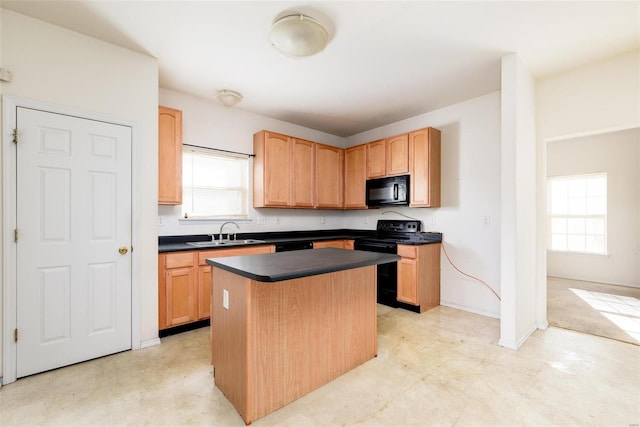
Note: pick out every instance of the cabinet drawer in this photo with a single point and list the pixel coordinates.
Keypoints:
(407, 251)
(179, 259)
(329, 244)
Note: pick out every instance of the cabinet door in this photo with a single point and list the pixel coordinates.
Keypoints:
(408, 274)
(271, 170)
(302, 173)
(169, 156)
(329, 176)
(398, 155)
(424, 160)
(355, 177)
(180, 296)
(348, 244)
(204, 292)
(162, 293)
(407, 281)
(376, 159)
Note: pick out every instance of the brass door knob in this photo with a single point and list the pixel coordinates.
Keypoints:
(123, 250)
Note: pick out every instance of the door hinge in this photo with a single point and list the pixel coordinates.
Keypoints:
(15, 335)
(15, 235)
(15, 136)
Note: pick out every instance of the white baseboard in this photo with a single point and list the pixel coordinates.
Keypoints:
(516, 345)
(150, 343)
(470, 310)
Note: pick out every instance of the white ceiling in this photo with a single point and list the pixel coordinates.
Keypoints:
(386, 61)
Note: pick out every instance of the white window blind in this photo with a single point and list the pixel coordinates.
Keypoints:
(577, 213)
(214, 184)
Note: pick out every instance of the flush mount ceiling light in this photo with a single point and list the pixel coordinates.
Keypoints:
(229, 98)
(298, 35)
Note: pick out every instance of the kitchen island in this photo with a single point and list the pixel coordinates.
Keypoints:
(284, 324)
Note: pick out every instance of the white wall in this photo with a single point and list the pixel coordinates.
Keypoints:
(601, 96)
(470, 193)
(597, 98)
(209, 124)
(518, 204)
(57, 66)
(617, 154)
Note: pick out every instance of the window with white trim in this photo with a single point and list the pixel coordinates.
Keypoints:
(215, 184)
(577, 213)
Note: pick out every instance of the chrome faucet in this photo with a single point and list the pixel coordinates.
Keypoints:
(222, 226)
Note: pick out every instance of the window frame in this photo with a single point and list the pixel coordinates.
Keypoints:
(245, 190)
(550, 216)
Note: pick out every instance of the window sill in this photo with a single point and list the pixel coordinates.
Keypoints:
(205, 220)
(556, 252)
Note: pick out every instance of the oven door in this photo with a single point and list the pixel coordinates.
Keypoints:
(387, 274)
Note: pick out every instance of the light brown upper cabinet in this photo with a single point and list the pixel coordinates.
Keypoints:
(376, 159)
(329, 182)
(283, 171)
(388, 157)
(398, 155)
(169, 156)
(355, 177)
(424, 161)
(302, 173)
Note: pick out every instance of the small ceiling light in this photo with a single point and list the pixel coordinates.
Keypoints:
(229, 98)
(298, 35)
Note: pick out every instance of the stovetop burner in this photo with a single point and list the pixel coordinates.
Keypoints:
(401, 231)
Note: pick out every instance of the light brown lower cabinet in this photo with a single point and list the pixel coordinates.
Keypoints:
(340, 244)
(329, 244)
(177, 289)
(184, 283)
(419, 275)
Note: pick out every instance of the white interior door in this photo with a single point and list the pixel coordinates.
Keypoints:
(73, 217)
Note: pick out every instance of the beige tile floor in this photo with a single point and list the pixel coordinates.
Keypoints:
(441, 368)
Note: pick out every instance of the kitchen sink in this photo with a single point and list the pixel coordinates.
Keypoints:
(218, 243)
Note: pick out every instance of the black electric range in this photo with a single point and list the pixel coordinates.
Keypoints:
(389, 234)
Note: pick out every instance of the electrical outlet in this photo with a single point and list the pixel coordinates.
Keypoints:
(160, 221)
(262, 220)
(277, 220)
(225, 299)
(321, 220)
(487, 221)
(433, 220)
(366, 220)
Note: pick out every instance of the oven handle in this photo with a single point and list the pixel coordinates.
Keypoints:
(375, 247)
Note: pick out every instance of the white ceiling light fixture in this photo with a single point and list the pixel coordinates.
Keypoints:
(229, 98)
(298, 35)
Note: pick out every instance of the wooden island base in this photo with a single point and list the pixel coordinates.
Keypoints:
(278, 341)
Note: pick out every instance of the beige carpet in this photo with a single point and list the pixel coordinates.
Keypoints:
(608, 311)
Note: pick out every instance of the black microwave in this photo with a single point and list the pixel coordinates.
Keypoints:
(393, 190)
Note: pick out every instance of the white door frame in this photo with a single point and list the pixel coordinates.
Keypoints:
(8, 320)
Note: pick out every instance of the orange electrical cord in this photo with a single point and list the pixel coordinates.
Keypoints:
(468, 275)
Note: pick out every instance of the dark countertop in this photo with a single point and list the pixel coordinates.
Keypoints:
(296, 264)
(178, 243)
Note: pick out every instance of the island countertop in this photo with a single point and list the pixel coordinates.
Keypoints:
(296, 264)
